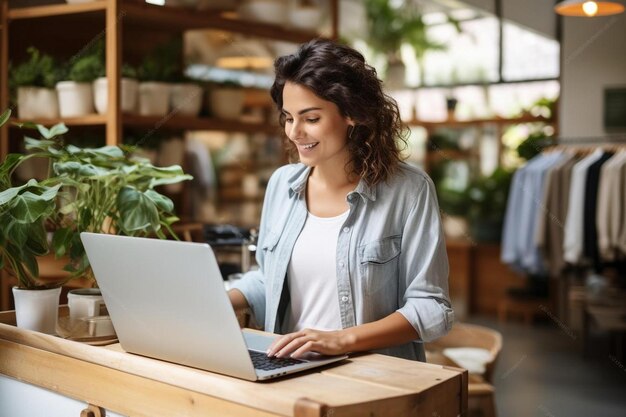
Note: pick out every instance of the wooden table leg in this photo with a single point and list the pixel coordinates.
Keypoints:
(93, 411)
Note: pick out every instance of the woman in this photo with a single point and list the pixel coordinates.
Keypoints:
(351, 250)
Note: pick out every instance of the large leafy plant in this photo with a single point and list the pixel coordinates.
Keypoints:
(391, 25)
(88, 189)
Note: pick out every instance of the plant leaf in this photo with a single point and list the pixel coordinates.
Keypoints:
(58, 129)
(4, 117)
(137, 212)
(161, 201)
(10, 193)
(61, 241)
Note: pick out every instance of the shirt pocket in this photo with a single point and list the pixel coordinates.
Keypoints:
(378, 264)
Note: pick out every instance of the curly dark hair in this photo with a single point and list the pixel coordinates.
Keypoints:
(339, 74)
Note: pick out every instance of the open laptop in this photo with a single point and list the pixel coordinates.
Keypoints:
(167, 300)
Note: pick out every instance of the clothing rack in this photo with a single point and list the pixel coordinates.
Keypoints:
(612, 143)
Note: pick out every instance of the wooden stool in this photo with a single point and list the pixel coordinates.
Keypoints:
(527, 308)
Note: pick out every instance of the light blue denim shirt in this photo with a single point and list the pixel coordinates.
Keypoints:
(391, 255)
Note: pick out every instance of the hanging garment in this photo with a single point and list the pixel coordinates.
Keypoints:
(551, 223)
(573, 238)
(524, 206)
(590, 233)
(610, 213)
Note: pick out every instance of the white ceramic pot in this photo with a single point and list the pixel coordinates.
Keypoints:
(37, 102)
(75, 99)
(186, 99)
(129, 92)
(37, 310)
(305, 18)
(154, 98)
(85, 302)
(266, 11)
(227, 103)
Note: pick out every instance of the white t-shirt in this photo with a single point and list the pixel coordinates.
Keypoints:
(312, 275)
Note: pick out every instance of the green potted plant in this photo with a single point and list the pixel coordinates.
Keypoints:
(34, 80)
(76, 91)
(227, 99)
(487, 205)
(129, 90)
(390, 26)
(158, 68)
(88, 189)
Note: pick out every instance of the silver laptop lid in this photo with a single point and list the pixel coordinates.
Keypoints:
(167, 300)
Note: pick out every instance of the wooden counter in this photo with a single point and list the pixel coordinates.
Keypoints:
(107, 377)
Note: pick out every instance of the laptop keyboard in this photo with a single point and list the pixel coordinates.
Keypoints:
(261, 361)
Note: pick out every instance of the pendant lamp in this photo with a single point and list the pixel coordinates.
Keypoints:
(586, 8)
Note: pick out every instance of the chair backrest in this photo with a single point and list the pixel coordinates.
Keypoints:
(472, 335)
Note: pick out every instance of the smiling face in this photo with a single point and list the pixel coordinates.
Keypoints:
(316, 127)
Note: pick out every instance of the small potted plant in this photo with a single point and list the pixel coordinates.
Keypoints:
(129, 91)
(102, 190)
(487, 205)
(76, 91)
(34, 80)
(227, 100)
(391, 24)
(186, 96)
(155, 73)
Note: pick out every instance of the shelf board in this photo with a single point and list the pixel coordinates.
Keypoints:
(149, 16)
(89, 120)
(454, 154)
(55, 10)
(476, 122)
(197, 123)
(179, 19)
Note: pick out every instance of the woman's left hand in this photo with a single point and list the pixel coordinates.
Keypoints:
(309, 340)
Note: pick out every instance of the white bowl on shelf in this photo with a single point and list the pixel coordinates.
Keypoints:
(266, 11)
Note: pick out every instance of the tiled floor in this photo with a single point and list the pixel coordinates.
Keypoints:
(541, 372)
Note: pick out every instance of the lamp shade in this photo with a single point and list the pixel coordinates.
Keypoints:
(586, 8)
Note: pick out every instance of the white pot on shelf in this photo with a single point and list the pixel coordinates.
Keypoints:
(75, 99)
(186, 99)
(37, 103)
(37, 309)
(154, 98)
(129, 91)
(227, 103)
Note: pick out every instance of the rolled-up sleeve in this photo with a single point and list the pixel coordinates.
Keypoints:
(252, 284)
(424, 269)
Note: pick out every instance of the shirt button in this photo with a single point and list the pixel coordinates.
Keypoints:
(341, 264)
(344, 298)
(346, 229)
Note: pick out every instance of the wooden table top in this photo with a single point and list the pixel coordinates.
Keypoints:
(363, 379)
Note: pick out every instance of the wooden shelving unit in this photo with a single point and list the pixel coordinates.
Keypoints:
(117, 16)
(58, 28)
(434, 155)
